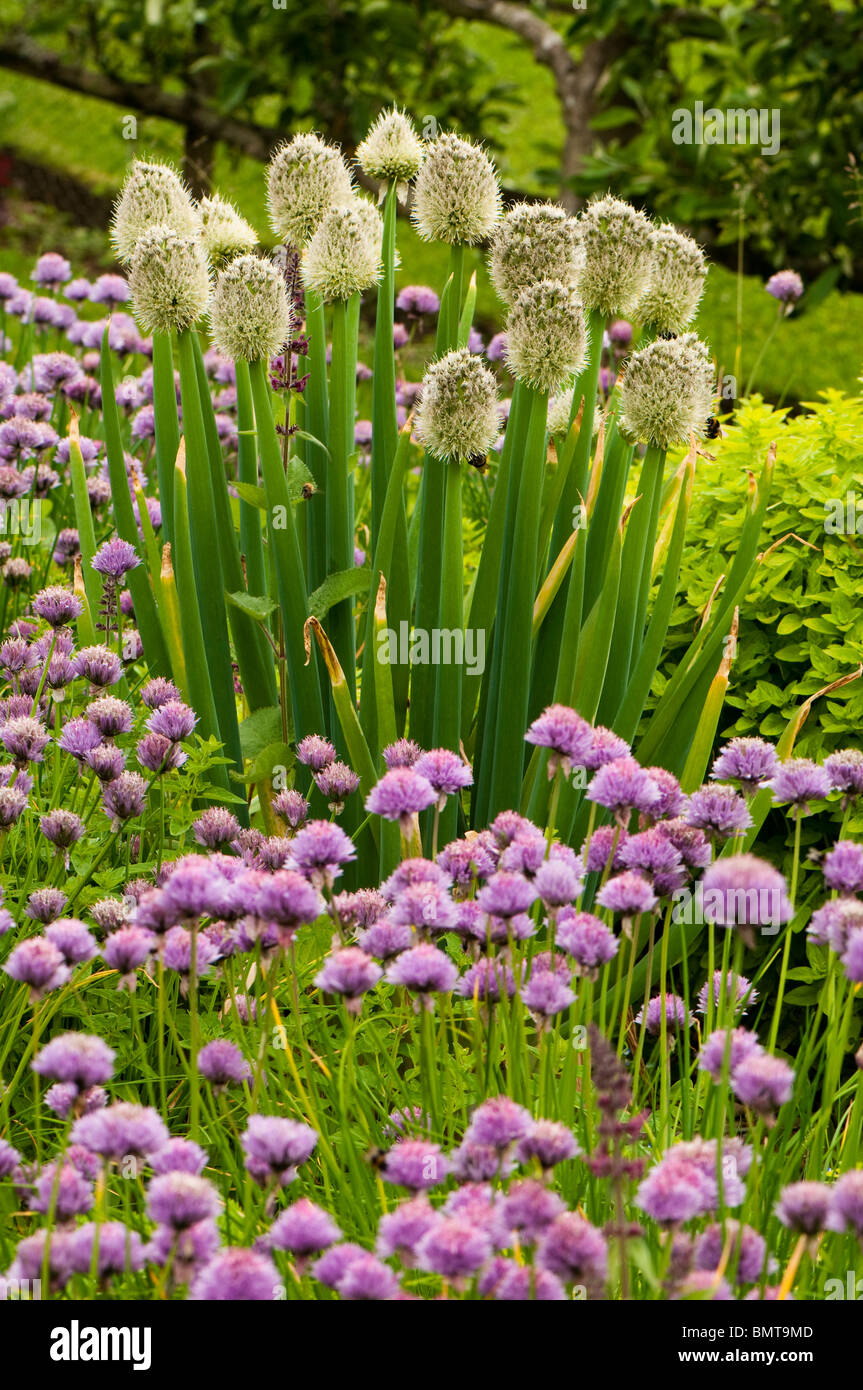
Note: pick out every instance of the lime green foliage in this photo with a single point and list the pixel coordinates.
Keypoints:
(800, 624)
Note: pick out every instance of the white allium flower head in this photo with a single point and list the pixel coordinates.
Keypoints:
(667, 391)
(457, 416)
(249, 313)
(559, 409)
(546, 335)
(618, 256)
(169, 279)
(153, 195)
(679, 270)
(456, 194)
(306, 179)
(534, 241)
(392, 149)
(224, 232)
(343, 257)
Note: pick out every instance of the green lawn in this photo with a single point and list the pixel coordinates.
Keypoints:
(817, 349)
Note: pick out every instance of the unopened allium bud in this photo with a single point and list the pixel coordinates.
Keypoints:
(153, 195)
(618, 256)
(456, 195)
(249, 313)
(676, 284)
(534, 241)
(224, 232)
(169, 279)
(306, 179)
(546, 335)
(667, 391)
(343, 257)
(457, 414)
(392, 149)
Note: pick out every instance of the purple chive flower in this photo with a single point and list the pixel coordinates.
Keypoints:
(320, 851)
(529, 1207)
(692, 844)
(546, 994)
(786, 286)
(401, 1230)
(469, 860)
(417, 300)
(236, 1275)
(627, 893)
(275, 1147)
(332, 1267)
(738, 990)
(177, 954)
(174, 721)
(350, 973)
(303, 1230)
(119, 1249)
(588, 940)
(805, 1207)
(403, 753)
(399, 795)
(336, 782)
(845, 770)
(45, 904)
(10, 1159)
(843, 867)
(719, 811)
(110, 716)
(712, 1056)
(557, 882)
(506, 895)
(496, 350)
(605, 747)
(158, 692)
(423, 970)
(58, 606)
(52, 270)
(453, 1248)
(61, 828)
(526, 1284)
(426, 906)
(38, 963)
(565, 734)
(679, 1188)
(749, 761)
(386, 939)
(67, 1194)
(81, 1060)
(292, 807)
(109, 290)
(676, 1015)
(24, 739)
(125, 797)
(158, 754)
(574, 1250)
(367, 1279)
(799, 781)
(604, 840)
(121, 1129)
(181, 1199)
(846, 1204)
(416, 1164)
(498, 1123)
(179, 1156)
(836, 923)
(852, 958)
(126, 950)
(12, 803)
(655, 856)
(446, 772)
(623, 786)
(316, 752)
(79, 737)
(222, 1063)
(411, 872)
(549, 1142)
(672, 801)
(106, 761)
(744, 891)
(763, 1082)
(115, 558)
(98, 665)
(360, 909)
(486, 981)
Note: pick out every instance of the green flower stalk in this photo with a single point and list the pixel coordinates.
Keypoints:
(306, 179)
(534, 241)
(457, 196)
(169, 279)
(670, 302)
(224, 232)
(153, 195)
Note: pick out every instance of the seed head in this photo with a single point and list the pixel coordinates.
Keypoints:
(546, 335)
(618, 256)
(676, 284)
(169, 279)
(457, 415)
(224, 232)
(392, 149)
(534, 241)
(456, 195)
(306, 179)
(667, 391)
(153, 195)
(249, 313)
(343, 257)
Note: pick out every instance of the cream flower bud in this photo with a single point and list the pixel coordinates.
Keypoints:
(457, 417)
(249, 313)
(534, 241)
(344, 255)
(667, 391)
(169, 279)
(306, 179)
(456, 194)
(679, 270)
(224, 232)
(618, 256)
(559, 408)
(392, 149)
(546, 335)
(153, 195)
